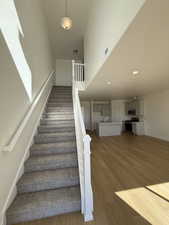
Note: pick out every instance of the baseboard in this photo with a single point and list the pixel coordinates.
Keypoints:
(20, 171)
(2, 219)
(158, 138)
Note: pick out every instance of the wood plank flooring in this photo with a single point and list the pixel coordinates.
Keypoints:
(120, 163)
(149, 205)
(161, 190)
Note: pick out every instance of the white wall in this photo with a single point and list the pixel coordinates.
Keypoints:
(108, 21)
(63, 72)
(86, 109)
(156, 108)
(14, 102)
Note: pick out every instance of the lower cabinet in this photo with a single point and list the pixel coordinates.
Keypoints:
(109, 129)
(138, 128)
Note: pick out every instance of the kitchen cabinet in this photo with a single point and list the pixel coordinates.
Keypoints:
(141, 112)
(136, 105)
(132, 105)
(101, 112)
(109, 129)
(138, 128)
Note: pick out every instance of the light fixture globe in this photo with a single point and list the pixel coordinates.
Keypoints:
(66, 23)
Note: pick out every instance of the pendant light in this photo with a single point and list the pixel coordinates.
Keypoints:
(66, 22)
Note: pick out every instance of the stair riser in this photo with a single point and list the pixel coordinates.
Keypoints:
(53, 151)
(56, 135)
(61, 87)
(60, 104)
(60, 125)
(55, 122)
(58, 117)
(41, 213)
(58, 113)
(51, 166)
(58, 110)
(55, 129)
(51, 100)
(53, 115)
(45, 140)
(53, 184)
(60, 96)
(61, 92)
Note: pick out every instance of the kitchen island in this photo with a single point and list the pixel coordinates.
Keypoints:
(109, 128)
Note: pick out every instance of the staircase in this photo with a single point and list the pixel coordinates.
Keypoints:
(50, 184)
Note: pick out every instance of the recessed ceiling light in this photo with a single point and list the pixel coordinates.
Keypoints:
(108, 82)
(135, 72)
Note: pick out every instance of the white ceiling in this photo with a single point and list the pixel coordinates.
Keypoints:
(63, 42)
(145, 47)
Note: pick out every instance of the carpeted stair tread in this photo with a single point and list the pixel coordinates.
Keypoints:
(50, 183)
(53, 100)
(46, 180)
(32, 206)
(61, 125)
(56, 134)
(54, 137)
(53, 129)
(61, 96)
(53, 148)
(60, 104)
(57, 113)
(59, 117)
(49, 162)
(58, 122)
(53, 109)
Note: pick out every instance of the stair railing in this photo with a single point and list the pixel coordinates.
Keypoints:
(79, 78)
(9, 146)
(83, 144)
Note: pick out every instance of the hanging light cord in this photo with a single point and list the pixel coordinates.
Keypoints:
(66, 8)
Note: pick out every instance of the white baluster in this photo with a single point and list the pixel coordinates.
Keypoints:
(83, 145)
(79, 72)
(76, 72)
(73, 72)
(88, 208)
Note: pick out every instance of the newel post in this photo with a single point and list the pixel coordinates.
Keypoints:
(73, 71)
(88, 194)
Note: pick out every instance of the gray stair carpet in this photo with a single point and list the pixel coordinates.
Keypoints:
(54, 129)
(53, 148)
(50, 183)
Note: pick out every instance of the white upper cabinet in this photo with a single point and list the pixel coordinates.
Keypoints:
(135, 105)
(141, 107)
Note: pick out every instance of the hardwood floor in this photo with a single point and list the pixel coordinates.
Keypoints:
(118, 164)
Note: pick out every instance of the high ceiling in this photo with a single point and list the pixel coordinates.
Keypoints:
(64, 42)
(144, 47)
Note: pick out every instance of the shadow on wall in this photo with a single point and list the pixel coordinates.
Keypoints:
(11, 29)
